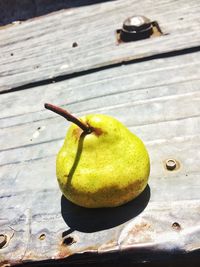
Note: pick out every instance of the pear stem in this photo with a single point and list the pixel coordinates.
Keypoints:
(64, 113)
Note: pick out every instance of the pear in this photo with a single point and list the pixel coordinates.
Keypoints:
(101, 163)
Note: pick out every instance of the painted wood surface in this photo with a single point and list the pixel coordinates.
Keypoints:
(157, 98)
(166, 87)
(41, 50)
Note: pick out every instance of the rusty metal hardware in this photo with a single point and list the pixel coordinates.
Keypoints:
(137, 28)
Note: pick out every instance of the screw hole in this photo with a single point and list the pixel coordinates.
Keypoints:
(38, 128)
(42, 236)
(11, 54)
(68, 241)
(74, 44)
(176, 226)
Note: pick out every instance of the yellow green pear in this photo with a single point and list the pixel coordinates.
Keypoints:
(101, 163)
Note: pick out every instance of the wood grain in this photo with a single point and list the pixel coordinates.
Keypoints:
(158, 99)
(39, 50)
(82, 95)
(32, 132)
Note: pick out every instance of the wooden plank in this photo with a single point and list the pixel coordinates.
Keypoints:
(170, 106)
(42, 49)
(32, 205)
(158, 100)
(81, 95)
(148, 106)
(36, 142)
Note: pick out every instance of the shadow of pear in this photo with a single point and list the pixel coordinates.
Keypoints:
(93, 220)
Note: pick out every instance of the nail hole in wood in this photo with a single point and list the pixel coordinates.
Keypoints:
(176, 226)
(74, 44)
(42, 236)
(68, 241)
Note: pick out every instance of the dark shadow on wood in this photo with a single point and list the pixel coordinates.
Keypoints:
(20, 10)
(132, 258)
(93, 220)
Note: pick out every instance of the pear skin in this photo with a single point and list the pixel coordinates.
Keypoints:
(105, 168)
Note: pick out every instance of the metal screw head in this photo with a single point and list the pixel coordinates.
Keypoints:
(136, 24)
(136, 28)
(170, 164)
(3, 240)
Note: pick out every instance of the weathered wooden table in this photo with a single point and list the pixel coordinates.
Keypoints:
(71, 58)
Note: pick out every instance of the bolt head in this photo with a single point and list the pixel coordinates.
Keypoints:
(136, 24)
(171, 164)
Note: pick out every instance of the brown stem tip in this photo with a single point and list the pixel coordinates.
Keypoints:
(64, 113)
